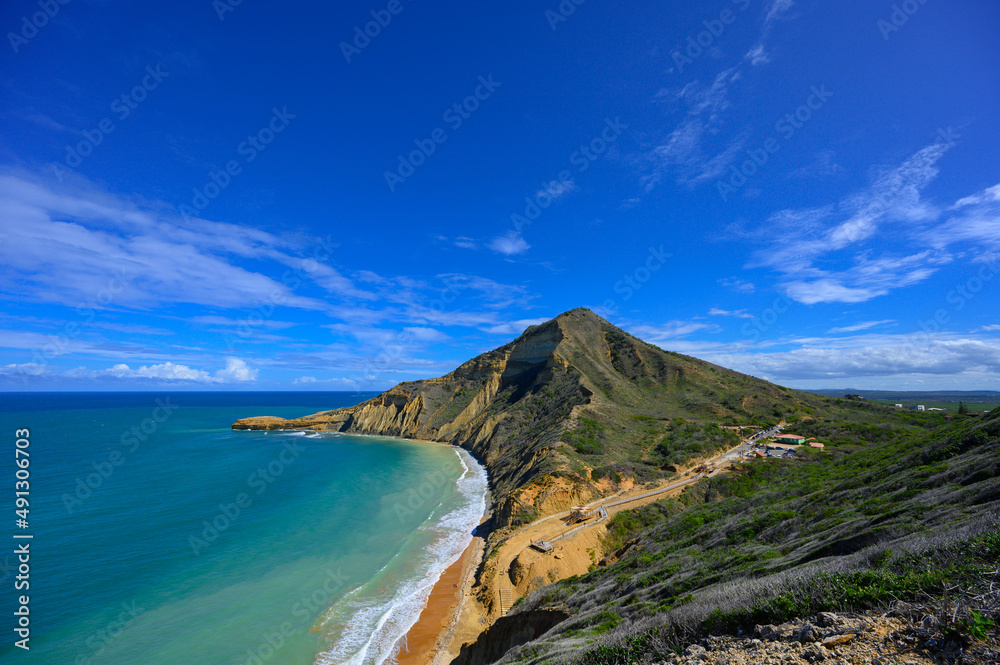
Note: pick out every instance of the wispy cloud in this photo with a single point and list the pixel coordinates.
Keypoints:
(671, 331)
(24, 369)
(556, 189)
(823, 165)
(682, 154)
(758, 55)
(45, 122)
(231, 323)
(885, 357)
(740, 314)
(738, 285)
(509, 244)
(351, 383)
(857, 327)
(974, 220)
(69, 247)
(810, 246)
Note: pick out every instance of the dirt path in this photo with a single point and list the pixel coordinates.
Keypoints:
(553, 527)
(576, 548)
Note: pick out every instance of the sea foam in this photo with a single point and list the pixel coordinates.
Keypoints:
(365, 626)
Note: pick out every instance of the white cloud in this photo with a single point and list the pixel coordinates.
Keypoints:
(740, 314)
(868, 279)
(167, 371)
(556, 189)
(738, 284)
(682, 154)
(421, 334)
(509, 244)
(254, 322)
(988, 195)
(823, 166)
(974, 219)
(236, 371)
(809, 245)
(758, 55)
(24, 369)
(857, 327)
(79, 246)
(356, 383)
(671, 331)
(887, 357)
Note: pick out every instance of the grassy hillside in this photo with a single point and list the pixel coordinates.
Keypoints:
(892, 511)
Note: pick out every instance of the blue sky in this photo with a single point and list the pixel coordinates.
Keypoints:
(262, 196)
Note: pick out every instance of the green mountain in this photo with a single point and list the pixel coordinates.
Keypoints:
(899, 505)
(568, 410)
(890, 517)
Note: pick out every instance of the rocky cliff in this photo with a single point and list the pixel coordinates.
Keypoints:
(516, 408)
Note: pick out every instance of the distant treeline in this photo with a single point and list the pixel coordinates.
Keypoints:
(978, 396)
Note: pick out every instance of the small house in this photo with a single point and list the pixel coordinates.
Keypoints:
(791, 438)
(816, 444)
(542, 546)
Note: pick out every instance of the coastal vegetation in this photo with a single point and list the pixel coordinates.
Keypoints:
(902, 516)
(897, 504)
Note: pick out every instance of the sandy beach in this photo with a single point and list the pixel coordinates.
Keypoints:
(432, 630)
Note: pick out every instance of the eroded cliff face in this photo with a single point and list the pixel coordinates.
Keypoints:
(508, 632)
(508, 407)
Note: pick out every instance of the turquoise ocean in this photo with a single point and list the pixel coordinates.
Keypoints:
(161, 536)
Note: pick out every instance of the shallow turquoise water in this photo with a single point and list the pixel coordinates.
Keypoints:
(184, 542)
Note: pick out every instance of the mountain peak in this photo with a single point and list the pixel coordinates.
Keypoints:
(566, 397)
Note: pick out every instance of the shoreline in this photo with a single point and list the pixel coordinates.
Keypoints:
(441, 628)
(430, 636)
